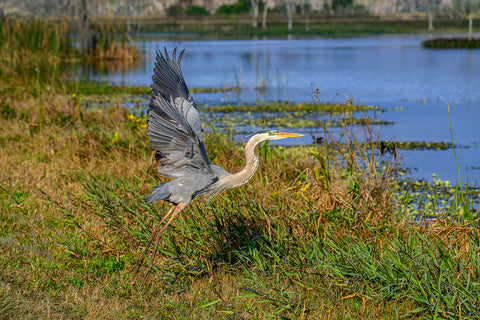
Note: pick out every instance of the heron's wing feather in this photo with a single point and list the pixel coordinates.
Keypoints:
(179, 149)
(168, 82)
(168, 78)
(171, 99)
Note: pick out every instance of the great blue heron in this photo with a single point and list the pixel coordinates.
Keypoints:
(174, 131)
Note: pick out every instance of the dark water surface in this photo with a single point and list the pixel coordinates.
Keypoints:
(411, 84)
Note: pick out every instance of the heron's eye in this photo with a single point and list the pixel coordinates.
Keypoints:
(271, 133)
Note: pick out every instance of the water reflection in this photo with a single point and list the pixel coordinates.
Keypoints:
(106, 68)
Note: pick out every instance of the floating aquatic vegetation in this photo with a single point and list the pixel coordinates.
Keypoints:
(281, 120)
(210, 90)
(452, 43)
(272, 114)
(286, 115)
(439, 198)
(281, 106)
(414, 145)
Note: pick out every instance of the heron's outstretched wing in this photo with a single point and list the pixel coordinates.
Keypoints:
(173, 123)
(167, 77)
(177, 146)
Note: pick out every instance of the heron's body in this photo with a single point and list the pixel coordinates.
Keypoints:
(174, 131)
(185, 188)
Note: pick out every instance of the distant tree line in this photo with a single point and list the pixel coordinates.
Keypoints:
(165, 7)
(258, 9)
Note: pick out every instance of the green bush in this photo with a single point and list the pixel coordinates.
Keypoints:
(194, 10)
(174, 10)
(237, 7)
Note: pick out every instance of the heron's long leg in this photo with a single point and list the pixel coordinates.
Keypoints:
(155, 231)
(178, 209)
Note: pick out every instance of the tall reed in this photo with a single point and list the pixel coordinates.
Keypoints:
(35, 54)
(31, 51)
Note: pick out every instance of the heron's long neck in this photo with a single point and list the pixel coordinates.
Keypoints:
(251, 164)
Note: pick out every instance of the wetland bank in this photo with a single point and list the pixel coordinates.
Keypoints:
(323, 231)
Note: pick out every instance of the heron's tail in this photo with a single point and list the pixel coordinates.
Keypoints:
(160, 192)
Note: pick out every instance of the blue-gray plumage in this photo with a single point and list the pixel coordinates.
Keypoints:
(174, 131)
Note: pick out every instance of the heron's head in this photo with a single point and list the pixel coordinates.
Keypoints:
(275, 135)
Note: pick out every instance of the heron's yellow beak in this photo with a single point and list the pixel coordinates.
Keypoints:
(288, 135)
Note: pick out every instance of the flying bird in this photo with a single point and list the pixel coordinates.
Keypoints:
(174, 132)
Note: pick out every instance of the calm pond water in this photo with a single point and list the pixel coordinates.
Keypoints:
(412, 85)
